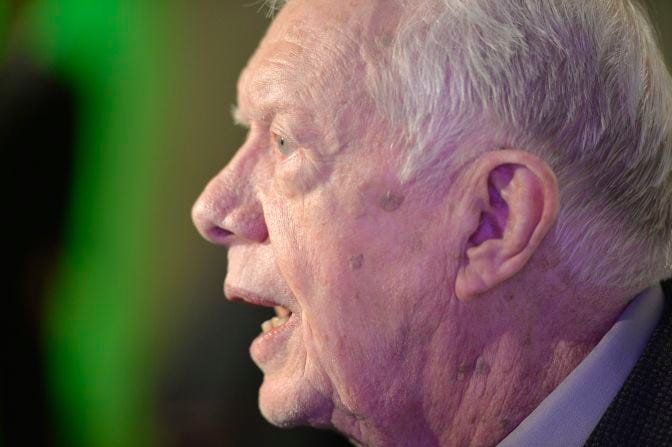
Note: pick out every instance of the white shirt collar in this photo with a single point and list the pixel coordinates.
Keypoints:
(568, 415)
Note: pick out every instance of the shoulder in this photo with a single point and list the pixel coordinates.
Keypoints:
(641, 414)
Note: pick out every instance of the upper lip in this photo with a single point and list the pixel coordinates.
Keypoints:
(234, 293)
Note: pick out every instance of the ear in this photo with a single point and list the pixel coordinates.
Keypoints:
(510, 202)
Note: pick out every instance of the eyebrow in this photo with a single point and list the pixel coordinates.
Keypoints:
(260, 110)
(264, 112)
(276, 97)
(238, 118)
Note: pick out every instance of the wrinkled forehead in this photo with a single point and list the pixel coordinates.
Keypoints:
(318, 49)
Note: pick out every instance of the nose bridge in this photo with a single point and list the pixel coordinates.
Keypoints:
(228, 209)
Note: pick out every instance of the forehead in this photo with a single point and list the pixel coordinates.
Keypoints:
(315, 51)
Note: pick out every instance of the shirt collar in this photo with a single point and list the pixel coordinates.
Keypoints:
(568, 415)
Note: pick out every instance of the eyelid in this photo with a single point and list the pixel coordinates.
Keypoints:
(277, 129)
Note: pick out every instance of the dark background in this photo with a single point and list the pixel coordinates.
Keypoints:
(113, 115)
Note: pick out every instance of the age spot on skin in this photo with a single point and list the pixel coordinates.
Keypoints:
(464, 369)
(482, 366)
(356, 262)
(390, 201)
(417, 245)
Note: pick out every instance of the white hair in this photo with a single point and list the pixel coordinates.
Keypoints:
(580, 83)
(272, 6)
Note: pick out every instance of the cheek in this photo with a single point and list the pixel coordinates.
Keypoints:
(299, 174)
(358, 310)
(365, 345)
(357, 280)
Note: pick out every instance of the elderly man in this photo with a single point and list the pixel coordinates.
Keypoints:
(461, 211)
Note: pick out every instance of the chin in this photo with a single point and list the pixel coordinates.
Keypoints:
(289, 401)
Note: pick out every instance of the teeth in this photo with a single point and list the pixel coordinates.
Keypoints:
(277, 321)
(282, 312)
(273, 323)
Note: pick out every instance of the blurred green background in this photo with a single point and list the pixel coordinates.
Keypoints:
(125, 338)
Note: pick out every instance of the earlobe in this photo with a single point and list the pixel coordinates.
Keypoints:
(511, 203)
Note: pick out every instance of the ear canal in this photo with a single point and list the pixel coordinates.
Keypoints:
(488, 228)
(492, 222)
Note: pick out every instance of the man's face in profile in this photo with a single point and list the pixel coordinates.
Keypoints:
(318, 223)
(393, 198)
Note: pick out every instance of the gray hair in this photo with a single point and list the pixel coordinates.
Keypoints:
(271, 6)
(580, 83)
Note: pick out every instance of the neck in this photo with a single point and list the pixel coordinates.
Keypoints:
(490, 363)
(501, 381)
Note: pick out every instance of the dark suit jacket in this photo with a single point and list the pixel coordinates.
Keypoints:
(641, 413)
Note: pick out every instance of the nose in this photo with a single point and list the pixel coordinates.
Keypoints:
(228, 210)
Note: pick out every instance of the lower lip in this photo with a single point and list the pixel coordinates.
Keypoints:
(269, 344)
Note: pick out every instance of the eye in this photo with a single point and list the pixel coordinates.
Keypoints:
(283, 145)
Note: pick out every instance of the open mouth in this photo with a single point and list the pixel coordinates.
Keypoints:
(282, 314)
(271, 345)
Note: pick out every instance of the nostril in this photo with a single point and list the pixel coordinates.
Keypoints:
(218, 233)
